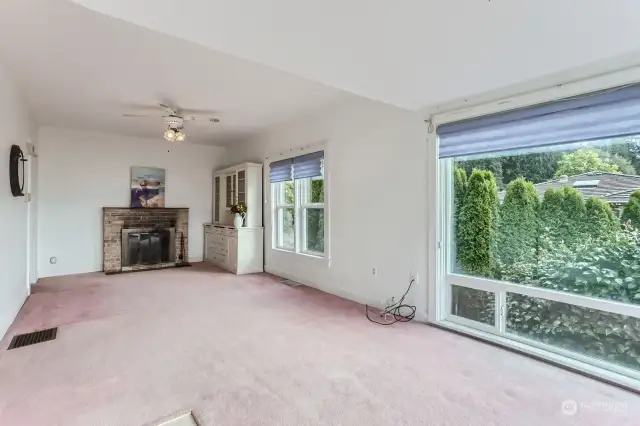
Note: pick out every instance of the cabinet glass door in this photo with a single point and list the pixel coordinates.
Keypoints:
(229, 191)
(242, 197)
(216, 200)
(235, 189)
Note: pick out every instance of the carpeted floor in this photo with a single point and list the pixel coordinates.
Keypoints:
(133, 348)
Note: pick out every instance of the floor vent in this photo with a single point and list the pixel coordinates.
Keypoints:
(289, 282)
(32, 338)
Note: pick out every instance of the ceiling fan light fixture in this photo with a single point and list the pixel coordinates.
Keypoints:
(170, 135)
(180, 136)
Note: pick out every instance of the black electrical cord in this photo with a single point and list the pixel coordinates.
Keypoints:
(395, 310)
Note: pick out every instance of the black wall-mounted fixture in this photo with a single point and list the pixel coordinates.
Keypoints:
(15, 158)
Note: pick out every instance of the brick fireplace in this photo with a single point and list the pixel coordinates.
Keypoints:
(152, 238)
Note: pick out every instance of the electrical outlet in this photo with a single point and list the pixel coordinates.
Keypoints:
(374, 272)
(413, 276)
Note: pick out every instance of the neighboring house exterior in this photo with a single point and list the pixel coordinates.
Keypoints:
(611, 187)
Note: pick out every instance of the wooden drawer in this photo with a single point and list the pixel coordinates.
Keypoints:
(219, 259)
(216, 239)
(220, 250)
(231, 232)
(219, 230)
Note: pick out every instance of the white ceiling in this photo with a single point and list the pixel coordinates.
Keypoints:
(411, 53)
(81, 69)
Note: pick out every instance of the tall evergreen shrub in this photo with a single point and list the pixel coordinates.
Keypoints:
(518, 231)
(478, 225)
(631, 212)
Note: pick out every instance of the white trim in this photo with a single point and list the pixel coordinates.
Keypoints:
(471, 323)
(294, 152)
(559, 91)
(496, 287)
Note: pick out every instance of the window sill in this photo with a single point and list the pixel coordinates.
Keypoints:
(309, 255)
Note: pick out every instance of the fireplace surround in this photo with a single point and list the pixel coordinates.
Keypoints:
(137, 239)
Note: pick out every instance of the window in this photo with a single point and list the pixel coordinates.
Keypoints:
(285, 215)
(541, 226)
(297, 190)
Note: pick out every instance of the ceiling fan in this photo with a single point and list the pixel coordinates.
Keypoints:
(174, 118)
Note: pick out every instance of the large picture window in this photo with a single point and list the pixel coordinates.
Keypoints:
(542, 219)
(297, 189)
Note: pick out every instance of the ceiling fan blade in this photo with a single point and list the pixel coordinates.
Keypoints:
(141, 115)
(198, 112)
(168, 109)
(210, 118)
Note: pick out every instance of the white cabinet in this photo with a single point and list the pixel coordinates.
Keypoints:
(241, 184)
(237, 250)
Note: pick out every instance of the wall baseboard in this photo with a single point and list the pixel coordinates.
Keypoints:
(358, 298)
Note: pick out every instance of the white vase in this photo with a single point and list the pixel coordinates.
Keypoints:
(238, 220)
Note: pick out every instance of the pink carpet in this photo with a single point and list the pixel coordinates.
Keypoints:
(248, 350)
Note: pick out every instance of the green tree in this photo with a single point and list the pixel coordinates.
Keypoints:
(621, 161)
(494, 165)
(459, 189)
(518, 230)
(583, 161)
(631, 212)
(599, 219)
(627, 148)
(536, 167)
(478, 223)
(562, 215)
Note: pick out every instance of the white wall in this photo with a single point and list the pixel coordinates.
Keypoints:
(16, 129)
(375, 160)
(80, 172)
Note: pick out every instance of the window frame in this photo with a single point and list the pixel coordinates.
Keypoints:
(440, 226)
(305, 204)
(302, 203)
(280, 205)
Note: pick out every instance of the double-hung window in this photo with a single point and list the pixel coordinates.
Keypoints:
(540, 232)
(297, 192)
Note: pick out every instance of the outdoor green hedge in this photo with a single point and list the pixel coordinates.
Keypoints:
(563, 244)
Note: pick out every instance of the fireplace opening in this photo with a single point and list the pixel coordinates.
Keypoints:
(148, 246)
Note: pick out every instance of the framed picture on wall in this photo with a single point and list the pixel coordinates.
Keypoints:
(147, 187)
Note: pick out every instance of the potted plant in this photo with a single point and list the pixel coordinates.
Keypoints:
(240, 212)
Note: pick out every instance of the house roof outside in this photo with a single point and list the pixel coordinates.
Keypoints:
(614, 188)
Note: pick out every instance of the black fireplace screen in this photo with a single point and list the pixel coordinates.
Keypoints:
(148, 246)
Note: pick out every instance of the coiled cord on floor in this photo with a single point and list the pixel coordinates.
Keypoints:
(393, 313)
